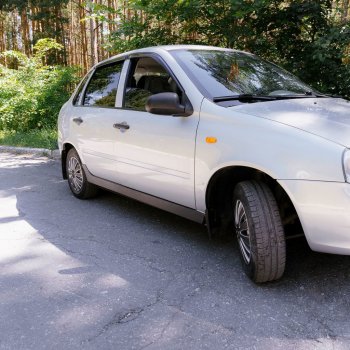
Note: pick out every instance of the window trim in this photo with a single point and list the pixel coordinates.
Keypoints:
(94, 69)
(120, 93)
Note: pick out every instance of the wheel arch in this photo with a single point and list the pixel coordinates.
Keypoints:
(65, 149)
(219, 215)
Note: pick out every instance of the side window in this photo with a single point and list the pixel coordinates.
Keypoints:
(147, 77)
(80, 90)
(102, 88)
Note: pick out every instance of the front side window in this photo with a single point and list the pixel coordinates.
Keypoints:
(228, 72)
(102, 88)
(146, 78)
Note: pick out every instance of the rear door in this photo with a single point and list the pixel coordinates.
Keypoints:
(93, 120)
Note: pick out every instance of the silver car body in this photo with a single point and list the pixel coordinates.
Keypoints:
(299, 143)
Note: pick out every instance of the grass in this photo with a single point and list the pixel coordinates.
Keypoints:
(34, 138)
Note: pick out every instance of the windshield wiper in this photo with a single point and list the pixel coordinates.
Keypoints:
(252, 97)
(244, 97)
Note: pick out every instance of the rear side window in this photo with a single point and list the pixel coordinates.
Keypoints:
(80, 90)
(102, 88)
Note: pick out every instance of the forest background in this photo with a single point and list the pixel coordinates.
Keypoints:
(46, 46)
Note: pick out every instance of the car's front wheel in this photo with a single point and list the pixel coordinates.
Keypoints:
(77, 180)
(259, 231)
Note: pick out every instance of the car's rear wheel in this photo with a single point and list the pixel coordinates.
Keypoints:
(259, 231)
(77, 180)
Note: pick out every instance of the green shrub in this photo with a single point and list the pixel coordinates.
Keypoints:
(32, 95)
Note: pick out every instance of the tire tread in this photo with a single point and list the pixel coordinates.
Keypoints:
(267, 233)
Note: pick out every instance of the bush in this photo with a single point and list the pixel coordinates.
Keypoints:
(32, 95)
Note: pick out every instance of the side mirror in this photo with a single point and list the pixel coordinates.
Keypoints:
(167, 103)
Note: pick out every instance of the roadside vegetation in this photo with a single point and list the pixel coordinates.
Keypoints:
(43, 138)
(31, 95)
(45, 46)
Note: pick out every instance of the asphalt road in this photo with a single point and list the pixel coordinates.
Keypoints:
(111, 273)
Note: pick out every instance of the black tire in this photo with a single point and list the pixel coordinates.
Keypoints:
(258, 223)
(77, 180)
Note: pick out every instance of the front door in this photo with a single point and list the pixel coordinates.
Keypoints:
(156, 153)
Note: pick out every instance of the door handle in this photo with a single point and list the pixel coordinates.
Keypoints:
(77, 120)
(121, 126)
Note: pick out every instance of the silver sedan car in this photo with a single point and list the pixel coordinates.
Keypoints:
(220, 137)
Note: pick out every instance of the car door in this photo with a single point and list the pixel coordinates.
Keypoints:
(156, 153)
(93, 120)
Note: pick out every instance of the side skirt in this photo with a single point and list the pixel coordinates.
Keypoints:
(163, 204)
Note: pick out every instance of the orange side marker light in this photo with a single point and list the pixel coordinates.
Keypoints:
(211, 139)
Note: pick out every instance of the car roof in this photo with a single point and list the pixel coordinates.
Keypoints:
(162, 48)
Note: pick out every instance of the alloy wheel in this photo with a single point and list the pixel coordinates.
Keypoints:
(242, 231)
(75, 174)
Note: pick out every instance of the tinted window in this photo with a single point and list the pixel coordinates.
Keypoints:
(223, 73)
(80, 90)
(102, 88)
(147, 77)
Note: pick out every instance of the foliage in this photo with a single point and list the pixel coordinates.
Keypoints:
(13, 59)
(309, 38)
(306, 37)
(32, 95)
(44, 138)
(47, 50)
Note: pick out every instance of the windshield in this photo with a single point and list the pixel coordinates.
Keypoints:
(227, 73)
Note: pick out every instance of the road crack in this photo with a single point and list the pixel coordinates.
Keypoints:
(122, 317)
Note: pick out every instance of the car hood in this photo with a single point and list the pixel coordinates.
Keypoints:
(325, 117)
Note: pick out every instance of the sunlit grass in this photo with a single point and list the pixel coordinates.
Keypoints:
(44, 138)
